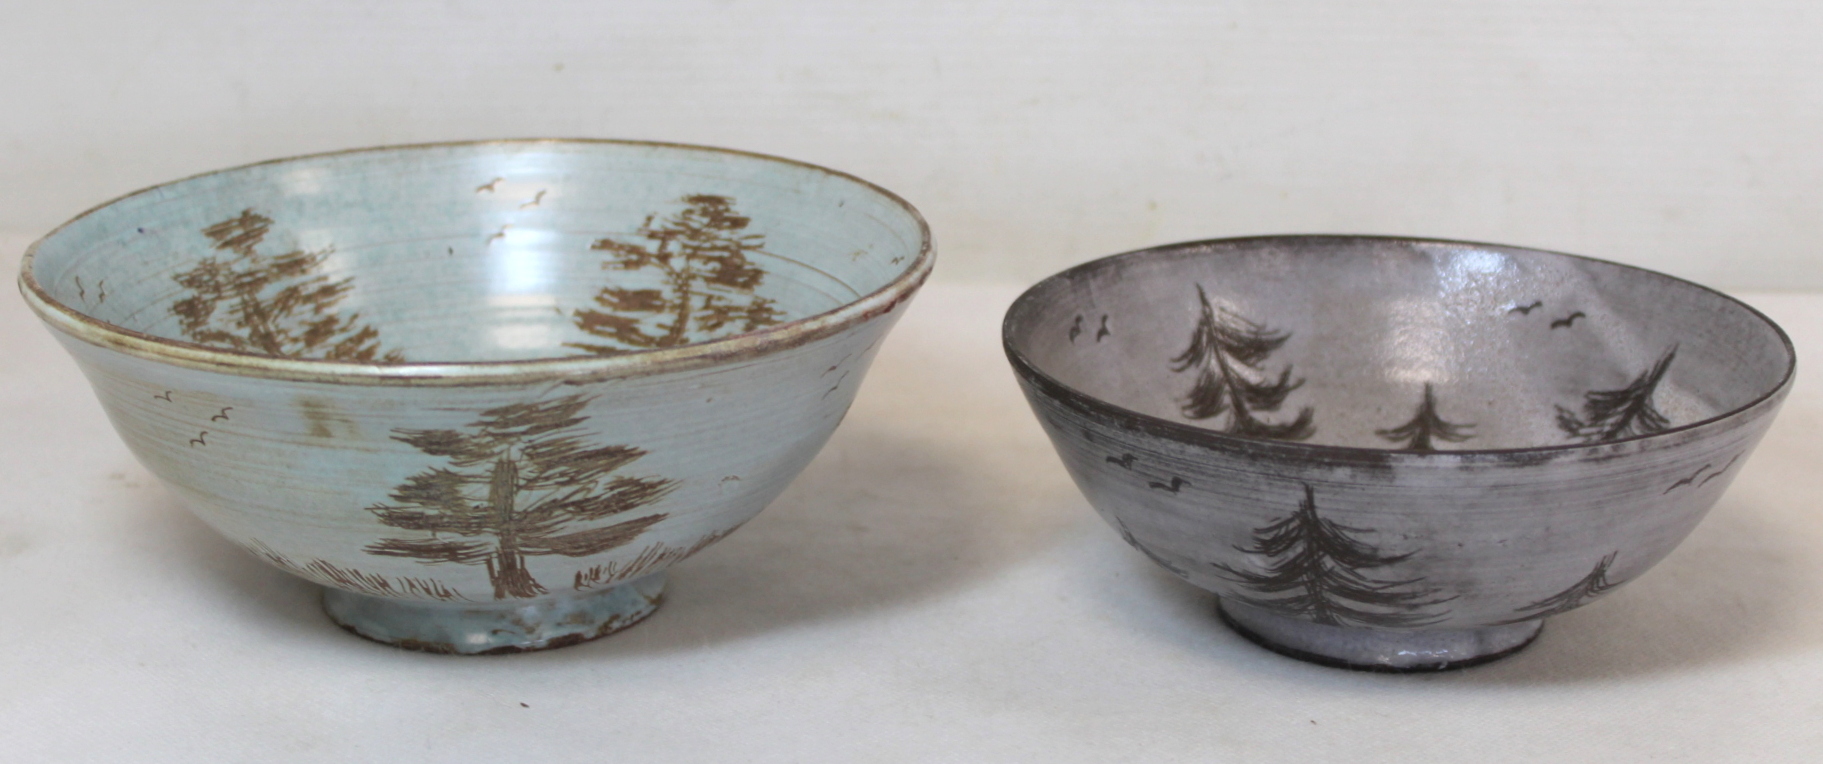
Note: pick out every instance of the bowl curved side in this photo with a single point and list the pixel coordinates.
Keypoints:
(506, 492)
(1410, 541)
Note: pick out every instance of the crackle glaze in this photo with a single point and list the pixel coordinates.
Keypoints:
(1395, 454)
(486, 392)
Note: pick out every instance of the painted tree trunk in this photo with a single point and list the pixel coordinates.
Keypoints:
(507, 568)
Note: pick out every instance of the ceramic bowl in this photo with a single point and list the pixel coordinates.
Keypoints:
(485, 393)
(1395, 454)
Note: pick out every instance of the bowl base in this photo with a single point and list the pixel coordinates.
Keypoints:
(472, 628)
(1377, 649)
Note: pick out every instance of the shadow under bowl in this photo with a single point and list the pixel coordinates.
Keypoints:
(486, 393)
(1392, 453)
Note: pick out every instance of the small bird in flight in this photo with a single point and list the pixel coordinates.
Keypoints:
(1177, 484)
(1567, 321)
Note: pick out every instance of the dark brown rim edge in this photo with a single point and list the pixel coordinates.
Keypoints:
(1134, 420)
(457, 373)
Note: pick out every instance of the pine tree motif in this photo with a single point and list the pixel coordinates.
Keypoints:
(1226, 352)
(1614, 414)
(518, 481)
(1316, 573)
(273, 304)
(1588, 588)
(1425, 426)
(702, 254)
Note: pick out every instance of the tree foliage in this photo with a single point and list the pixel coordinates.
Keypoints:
(1226, 351)
(1426, 426)
(1587, 588)
(273, 304)
(1624, 413)
(1317, 571)
(702, 256)
(517, 482)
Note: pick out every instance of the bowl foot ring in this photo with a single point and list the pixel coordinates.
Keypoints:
(493, 628)
(1377, 649)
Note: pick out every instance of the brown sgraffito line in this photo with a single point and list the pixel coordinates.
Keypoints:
(649, 560)
(329, 574)
(703, 254)
(279, 304)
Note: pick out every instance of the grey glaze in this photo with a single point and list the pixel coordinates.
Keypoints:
(486, 393)
(1395, 454)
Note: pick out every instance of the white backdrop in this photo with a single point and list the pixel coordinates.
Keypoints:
(1678, 134)
(934, 588)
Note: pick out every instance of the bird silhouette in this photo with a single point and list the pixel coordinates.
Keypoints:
(500, 234)
(1103, 332)
(200, 439)
(534, 201)
(1718, 473)
(1177, 484)
(1689, 480)
(1076, 329)
(1125, 460)
(222, 417)
(1526, 310)
(1567, 321)
(166, 397)
(488, 187)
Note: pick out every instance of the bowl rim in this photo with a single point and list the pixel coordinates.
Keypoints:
(468, 373)
(1203, 436)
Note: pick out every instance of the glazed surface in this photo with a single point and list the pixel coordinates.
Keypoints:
(502, 382)
(481, 252)
(1398, 345)
(482, 493)
(1483, 467)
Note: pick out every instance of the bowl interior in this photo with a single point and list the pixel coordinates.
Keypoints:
(498, 251)
(1397, 344)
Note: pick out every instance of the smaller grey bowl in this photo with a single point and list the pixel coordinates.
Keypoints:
(1395, 454)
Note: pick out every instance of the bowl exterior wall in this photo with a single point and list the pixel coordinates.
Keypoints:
(485, 492)
(1353, 537)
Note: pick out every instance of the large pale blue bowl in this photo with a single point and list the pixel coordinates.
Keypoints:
(484, 392)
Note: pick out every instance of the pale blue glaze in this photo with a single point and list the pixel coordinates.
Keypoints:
(444, 435)
(468, 630)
